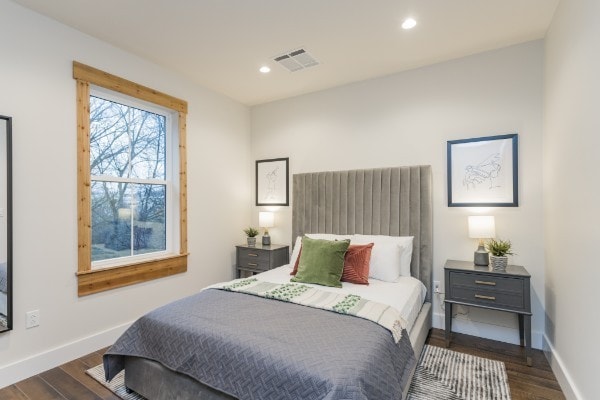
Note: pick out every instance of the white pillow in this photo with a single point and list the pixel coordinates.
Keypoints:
(324, 236)
(390, 256)
(295, 251)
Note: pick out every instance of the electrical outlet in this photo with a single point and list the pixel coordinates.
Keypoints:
(436, 287)
(32, 319)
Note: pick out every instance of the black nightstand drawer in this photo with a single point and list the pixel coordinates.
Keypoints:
(488, 298)
(254, 264)
(486, 282)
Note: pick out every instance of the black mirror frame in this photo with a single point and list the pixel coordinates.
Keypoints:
(9, 226)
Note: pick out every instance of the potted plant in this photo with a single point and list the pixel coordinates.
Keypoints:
(499, 251)
(251, 234)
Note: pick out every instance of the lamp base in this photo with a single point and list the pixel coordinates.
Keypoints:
(481, 257)
(266, 240)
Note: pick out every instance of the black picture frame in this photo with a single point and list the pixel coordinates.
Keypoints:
(483, 171)
(272, 184)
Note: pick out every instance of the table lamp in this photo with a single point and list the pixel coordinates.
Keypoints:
(266, 220)
(482, 227)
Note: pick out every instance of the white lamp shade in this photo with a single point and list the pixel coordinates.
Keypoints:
(482, 227)
(266, 219)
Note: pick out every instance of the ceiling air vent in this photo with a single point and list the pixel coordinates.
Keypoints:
(296, 60)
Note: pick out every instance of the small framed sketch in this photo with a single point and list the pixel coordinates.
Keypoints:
(272, 182)
(483, 172)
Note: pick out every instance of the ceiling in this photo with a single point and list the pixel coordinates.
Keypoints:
(220, 44)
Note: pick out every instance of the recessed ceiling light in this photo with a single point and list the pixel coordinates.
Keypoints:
(264, 69)
(409, 23)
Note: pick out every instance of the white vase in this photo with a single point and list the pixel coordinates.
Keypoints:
(251, 241)
(498, 263)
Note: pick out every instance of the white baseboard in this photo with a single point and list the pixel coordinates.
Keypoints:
(560, 371)
(51, 358)
(486, 330)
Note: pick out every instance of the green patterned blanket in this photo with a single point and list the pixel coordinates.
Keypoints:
(350, 304)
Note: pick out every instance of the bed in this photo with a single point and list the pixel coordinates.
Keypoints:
(388, 201)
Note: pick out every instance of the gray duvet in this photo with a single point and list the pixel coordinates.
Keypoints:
(255, 348)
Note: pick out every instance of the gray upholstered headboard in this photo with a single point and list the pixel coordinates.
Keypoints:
(386, 201)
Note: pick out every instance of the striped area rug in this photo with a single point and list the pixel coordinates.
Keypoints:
(441, 374)
(117, 385)
(444, 374)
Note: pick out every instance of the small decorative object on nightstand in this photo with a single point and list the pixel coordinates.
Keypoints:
(508, 290)
(251, 260)
(266, 220)
(481, 227)
(251, 234)
(500, 250)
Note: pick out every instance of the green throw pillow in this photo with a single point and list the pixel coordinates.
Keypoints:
(321, 261)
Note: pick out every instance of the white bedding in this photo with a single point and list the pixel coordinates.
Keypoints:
(406, 295)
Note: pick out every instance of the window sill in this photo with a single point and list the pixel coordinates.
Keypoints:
(100, 280)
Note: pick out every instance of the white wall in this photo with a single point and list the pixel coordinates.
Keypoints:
(406, 119)
(37, 90)
(572, 195)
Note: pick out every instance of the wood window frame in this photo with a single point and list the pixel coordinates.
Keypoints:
(97, 280)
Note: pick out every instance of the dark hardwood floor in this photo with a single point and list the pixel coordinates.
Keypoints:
(70, 382)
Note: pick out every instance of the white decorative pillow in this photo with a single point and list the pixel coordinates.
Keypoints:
(390, 256)
(324, 236)
(295, 251)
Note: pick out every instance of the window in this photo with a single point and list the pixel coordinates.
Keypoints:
(131, 182)
(131, 179)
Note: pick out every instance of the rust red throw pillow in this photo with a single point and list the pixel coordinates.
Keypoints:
(356, 264)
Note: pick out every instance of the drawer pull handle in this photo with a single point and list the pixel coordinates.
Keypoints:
(480, 296)
(252, 255)
(485, 283)
(252, 264)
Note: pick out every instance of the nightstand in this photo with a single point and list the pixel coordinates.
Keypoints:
(471, 285)
(251, 260)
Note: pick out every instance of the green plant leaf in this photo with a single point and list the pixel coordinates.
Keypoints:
(251, 232)
(499, 248)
